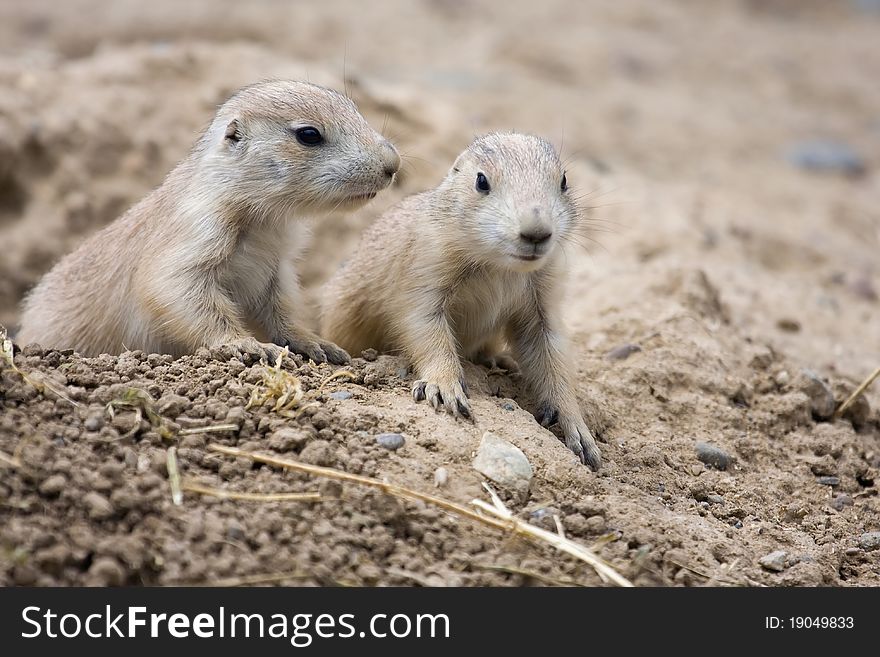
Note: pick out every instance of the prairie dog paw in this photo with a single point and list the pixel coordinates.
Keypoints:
(580, 441)
(249, 348)
(320, 351)
(451, 397)
(501, 361)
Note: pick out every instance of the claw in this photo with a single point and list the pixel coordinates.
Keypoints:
(418, 391)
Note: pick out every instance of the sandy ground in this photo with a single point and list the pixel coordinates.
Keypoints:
(731, 268)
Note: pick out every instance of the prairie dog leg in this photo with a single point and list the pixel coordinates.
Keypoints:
(278, 314)
(540, 350)
(492, 355)
(204, 315)
(434, 352)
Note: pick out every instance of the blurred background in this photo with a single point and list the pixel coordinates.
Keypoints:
(734, 141)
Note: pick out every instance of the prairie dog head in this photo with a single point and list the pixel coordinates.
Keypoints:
(288, 144)
(511, 200)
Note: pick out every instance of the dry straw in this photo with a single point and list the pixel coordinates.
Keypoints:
(499, 517)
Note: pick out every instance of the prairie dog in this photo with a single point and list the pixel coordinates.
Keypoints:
(210, 254)
(463, 270)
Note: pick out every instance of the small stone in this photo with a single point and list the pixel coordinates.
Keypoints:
(53, 485)
(402, 372)
(171, 405)
(829, 481)
(775, 561)
(595, 525)
(840, 502)
(392, 441)
(94, 422)
(99, 506)
(341, 395)
(788, 325)
(503, 463)
(822, 402)
(826, 156)
(713, 456)
(714, 499)
(508, 406)
(852, 551)
(622, 352)
(869, 541)
(369, 355)
(782, 378)
(441, 477)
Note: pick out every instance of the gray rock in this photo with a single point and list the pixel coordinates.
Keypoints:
(822, 402)
(392, 441)
(869, 541)
(341, 395)
(826, 156)
(829, 480)
(622, 352)
(713, 456)
(441, 477)
(503, 463)
(93, 422)
(840, 502)
(715, 499)
(53, 485)
(775, 561)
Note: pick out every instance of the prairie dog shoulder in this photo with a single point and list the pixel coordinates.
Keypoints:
(210, 252)
(465, 270)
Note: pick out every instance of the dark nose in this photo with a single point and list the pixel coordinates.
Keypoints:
(391, 158)
(537, 236)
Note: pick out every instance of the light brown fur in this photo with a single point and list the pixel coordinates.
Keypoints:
(210, 254)
(440, 277)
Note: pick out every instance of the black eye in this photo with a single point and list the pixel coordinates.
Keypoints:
(482, 184)
(564, 185)
(308, 136)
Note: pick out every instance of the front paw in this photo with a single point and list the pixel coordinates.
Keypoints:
(575, 433)
(451, 396)
(316, 349)
(248, 349)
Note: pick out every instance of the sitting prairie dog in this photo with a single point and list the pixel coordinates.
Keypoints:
(209, 255)
(462, 270)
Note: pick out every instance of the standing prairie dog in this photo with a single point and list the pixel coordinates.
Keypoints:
(460, 270)
(210, 254)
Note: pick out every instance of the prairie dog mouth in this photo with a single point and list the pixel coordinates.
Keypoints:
(529, 257)
(363, 197)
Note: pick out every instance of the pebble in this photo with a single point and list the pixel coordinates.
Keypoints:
(822, 402)
(622, 352)
(714, 499)
(441, 477)
(869, 541)
(829, 481)
(782, 379)
(503, 463)
(93, 423)
(826, 156)
(392, 441)
(53, 485)
(775, 561)
(99, 506)
(840, 502)
(713, 456)
(341, 395)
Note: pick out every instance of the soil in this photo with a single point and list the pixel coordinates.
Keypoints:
(730, 297)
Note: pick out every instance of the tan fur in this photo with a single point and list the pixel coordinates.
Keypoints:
(212, 251)
(437, 278)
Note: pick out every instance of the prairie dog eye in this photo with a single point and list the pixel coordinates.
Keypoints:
(308, 136)
(564, 185)
(482, 184)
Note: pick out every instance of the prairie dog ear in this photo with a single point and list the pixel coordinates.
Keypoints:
(233, 133)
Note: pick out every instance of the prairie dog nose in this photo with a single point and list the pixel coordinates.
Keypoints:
(391, 159)
(536, 236)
